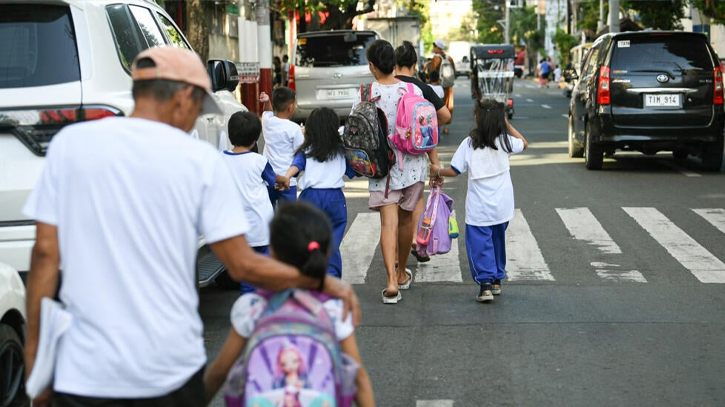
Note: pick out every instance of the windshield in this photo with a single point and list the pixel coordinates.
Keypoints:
(670, 53)
(37, 46)
(333, 50)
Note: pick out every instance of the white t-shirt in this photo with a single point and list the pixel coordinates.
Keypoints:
(438, 89)
(557, 74)
(252, 175)
(322, 175)
(415, 167)
(490, 197)
(249, 307)
(130, 198)
(282, 138)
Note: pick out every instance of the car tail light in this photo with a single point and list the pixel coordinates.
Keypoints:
(717, 94)
(35, 128)
(603, 87)
(291, 79)
(510, 103)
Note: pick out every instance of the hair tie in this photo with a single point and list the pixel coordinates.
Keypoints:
(313, 246)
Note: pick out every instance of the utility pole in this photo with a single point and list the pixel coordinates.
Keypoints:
(600, 23)
(613, 16)
(507, 30)
(264, 50)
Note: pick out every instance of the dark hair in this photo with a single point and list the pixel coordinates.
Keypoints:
(381, 54)
(281, 98)
(435, 76)
(244, 129)
(161, 89)
(321, 135)
(490, 125)
(285, 58)
(405, 55)
(293, 228)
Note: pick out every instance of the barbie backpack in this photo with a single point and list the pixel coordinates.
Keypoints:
(416, 125)
(292, 358)
(435, 232)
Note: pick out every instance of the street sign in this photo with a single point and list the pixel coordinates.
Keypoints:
(233, 9)
(248, 72)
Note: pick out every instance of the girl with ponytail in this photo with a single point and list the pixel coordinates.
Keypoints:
(301, 236)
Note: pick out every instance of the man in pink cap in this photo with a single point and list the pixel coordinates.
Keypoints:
(122, 202)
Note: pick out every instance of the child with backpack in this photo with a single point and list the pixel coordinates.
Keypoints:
(285, 347)
(435, 84)
(322, 159)
(490, 197)
(252, 175)
(282, 137)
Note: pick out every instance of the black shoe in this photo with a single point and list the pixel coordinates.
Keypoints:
(485, 294)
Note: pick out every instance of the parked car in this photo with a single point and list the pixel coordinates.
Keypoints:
(12, 338)
(576, 58)
(328, 68)
(63, 62)
(648, 91)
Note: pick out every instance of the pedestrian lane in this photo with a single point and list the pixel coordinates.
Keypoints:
(526, 261)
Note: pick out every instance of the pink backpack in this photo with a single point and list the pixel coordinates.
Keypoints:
(416, 125)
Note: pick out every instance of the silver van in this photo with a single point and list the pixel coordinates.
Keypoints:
(328, 68)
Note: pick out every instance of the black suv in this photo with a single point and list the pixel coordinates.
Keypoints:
(648, 91)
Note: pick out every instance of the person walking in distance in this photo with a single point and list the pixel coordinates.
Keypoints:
(490, 197)
(439, 49)
(544, 69)
(122, 201)
(285, 70)
(396, 199)
(406, 60)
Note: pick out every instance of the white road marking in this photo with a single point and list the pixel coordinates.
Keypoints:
(441, 268)
(701, 263)
(518, 95)
(611, 272)
(358, 251)
(716, 217)
(529, 100)
(564, 115)
(525, 261)
(679, 169)
(584, 226)
(434, 403)
(546, 106)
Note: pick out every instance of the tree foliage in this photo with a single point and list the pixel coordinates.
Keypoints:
(564, 42)
(489, 13)
(466, 31)
(340, 13)
(523, 31)
(661, 15)
(711, 8)
(421, 9)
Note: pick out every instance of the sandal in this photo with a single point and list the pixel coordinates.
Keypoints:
(391, 300)
(421, 259)
(407, 283)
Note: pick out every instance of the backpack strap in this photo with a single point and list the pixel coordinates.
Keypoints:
(435, 195)
(363, 92)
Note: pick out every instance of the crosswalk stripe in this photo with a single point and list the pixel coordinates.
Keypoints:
(358, 251)
(434, 403)
(441, 268)
(584, 226)
(525, 261)
(716, 217)
(701, 263)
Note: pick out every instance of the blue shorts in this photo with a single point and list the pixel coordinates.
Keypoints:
(248, 288)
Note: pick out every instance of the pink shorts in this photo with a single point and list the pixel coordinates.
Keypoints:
(406, 198)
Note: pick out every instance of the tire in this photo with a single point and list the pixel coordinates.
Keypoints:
(712, 155)
(510, 116)
(680, 153)
(224, 281)
(12, 388)
(575, 151)
(593, 154)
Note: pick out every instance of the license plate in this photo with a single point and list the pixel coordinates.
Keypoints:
(336, 94)
(662, 100)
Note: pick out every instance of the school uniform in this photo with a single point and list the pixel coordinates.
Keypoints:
(489, 205)
(252, 175)
(282, 138)
(322, 186)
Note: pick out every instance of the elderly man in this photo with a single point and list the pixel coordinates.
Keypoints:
(435, 65)
(122, 202)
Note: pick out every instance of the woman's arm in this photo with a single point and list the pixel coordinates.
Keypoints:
(364, 397)
(219, 368)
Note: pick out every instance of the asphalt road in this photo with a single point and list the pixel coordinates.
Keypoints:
(615, 297)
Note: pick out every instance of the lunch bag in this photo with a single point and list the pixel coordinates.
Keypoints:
(433, 227)
(293, 330)
(416, 125)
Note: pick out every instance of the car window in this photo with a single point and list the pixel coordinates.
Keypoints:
(148, 26)
(592, 59)
(128, 38)
(174, 35)
(675, 53)
(37, 46)
(333, 50)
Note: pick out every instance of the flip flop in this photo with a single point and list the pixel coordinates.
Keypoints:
(418, 257)
(407, 283)
(391, 300)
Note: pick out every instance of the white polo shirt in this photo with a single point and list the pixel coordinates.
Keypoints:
(490, 197)
(282, 138)
(322, 175)
(130, 198)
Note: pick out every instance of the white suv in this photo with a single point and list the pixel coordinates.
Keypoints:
(67, 61)
(12, 338)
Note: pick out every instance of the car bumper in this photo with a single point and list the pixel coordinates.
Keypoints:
(303, 112)
(16, 245)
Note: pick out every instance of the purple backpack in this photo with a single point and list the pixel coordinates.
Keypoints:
(292, 358)
(433, 237)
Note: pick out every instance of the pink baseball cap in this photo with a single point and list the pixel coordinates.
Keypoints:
(177, 64)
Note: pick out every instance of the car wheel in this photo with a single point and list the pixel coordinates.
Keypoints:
(510, 115)
(712, 154)
(679, 154)
(224, 281)
(593, 154)
(575, 151)
(12, 366)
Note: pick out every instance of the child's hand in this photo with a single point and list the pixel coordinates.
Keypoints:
(435, 171)
(282, 186)
(263, 97)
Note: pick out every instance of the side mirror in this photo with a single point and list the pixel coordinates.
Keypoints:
(223, 75)
(571, 75)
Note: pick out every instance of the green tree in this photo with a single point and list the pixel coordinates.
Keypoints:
(421, 9)
(588, 15)
(523, 31)
(340, 13)
(466, 31)
(564, 42)
(488, 14)
(662, 15)
(711, 8)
